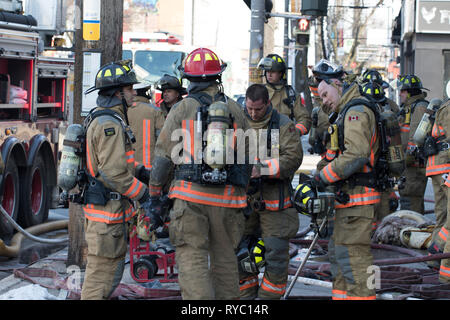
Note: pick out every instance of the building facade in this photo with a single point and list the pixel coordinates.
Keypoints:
(422, 31)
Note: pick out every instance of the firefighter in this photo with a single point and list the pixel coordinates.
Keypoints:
(413, 106)
(110, 169)
(389, 201)
(436, 147)
(269, 194)
(373, 76)
(146, 121)
(172, 92)
(350, 172)
(207, 219)
(282, 96)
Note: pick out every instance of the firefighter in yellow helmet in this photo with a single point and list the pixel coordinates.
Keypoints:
(146, 121)
(269, 194)
(283, 97)
(112, 186)
(207, 220)
(351, 172)
(413, 107)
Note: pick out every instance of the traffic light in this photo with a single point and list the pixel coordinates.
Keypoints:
(315, 8)
(268, 5)
(301, 31)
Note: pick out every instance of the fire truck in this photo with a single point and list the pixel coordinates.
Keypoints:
(153, 55)
(33, 117)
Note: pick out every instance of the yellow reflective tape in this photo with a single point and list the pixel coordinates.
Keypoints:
(126, 68)
(369, 76)
(208, 57)
(377, 91)
(215, 57)
(274, 58)
(407, 81)
(107, 73)
(197, 57)
(258, 259)
(257, 250)
(305, 201)
(119, 72)
(369, 91)
(413, 80)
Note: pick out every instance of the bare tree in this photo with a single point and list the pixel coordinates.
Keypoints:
(358, 21)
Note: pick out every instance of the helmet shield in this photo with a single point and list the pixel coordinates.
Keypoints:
(114, 75)
(272, 62)
(325, 70)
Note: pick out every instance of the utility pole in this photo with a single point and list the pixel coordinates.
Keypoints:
(256, 40)
(286, 34)
(110, 47)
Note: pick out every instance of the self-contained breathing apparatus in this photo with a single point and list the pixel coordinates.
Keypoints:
(317, 142)
(213, 121)
(390, 163)
(290, 101)
(425, 142)
(314, 203)
(72, 171)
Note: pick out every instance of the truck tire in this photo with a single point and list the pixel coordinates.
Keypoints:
(35, 195)
(11, 197)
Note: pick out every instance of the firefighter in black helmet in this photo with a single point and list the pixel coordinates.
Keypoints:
(373, 76)
(413, 106)
(172, 92)
(283, 97)
(110, 170)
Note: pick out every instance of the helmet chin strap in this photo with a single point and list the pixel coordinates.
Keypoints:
(124, 106)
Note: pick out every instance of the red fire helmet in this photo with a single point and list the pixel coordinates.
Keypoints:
(202, 63)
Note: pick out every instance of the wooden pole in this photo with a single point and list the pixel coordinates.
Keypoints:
(110, 46)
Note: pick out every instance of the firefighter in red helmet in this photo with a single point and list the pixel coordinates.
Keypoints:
(207, 218)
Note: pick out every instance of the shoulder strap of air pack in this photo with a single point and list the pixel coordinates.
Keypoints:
(350, 104)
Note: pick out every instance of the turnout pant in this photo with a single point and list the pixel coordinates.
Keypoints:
(440, 232)
(205, 239)
(444, 274)
(107, 248)
(350, 255)
(412, 196)
(276, 229)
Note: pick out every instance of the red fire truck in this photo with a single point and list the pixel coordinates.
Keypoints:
(153, 55)
(33, 114)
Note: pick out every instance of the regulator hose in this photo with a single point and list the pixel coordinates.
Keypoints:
(29, 235)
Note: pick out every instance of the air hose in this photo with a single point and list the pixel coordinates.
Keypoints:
(28, 234)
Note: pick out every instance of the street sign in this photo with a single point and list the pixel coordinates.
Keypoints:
(91, 20)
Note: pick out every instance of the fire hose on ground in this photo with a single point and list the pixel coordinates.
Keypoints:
(30, 233)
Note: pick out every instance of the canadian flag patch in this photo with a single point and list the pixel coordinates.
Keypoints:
(353, 118)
